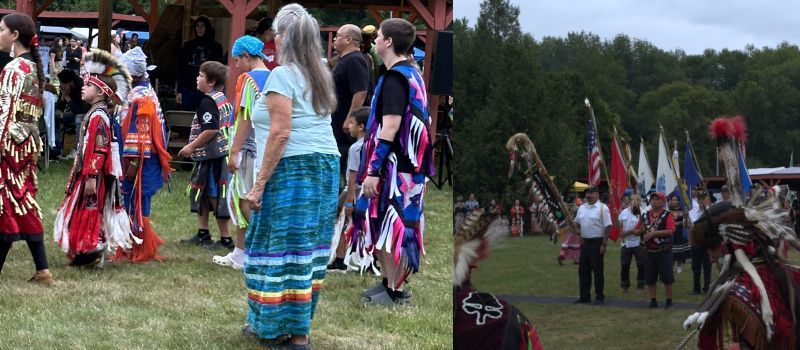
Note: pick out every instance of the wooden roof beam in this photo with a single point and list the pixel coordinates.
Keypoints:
(139, 10)
(44, 6)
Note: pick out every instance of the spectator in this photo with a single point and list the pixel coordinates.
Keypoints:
(74, 54)
(196, 51)
(351, 79)
(267, 36)
(471, 203)
(70, 107)
(56, 55)
(116, 45)
(517, 215)
(135, 40)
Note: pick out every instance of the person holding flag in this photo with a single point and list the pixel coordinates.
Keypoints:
(594, 223)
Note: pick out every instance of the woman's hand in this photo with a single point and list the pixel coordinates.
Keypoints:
(254, 196)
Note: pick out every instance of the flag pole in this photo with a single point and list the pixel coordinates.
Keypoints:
(681, 186)
(646, 160)
(602, 161)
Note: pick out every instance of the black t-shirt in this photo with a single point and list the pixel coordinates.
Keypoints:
(195, 52)
(393, 99)
(208, 114)
(349, 76)
(71, 54)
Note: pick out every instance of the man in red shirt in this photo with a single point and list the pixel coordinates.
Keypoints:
(657, 227)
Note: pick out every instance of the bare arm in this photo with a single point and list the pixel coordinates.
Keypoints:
(242, 132)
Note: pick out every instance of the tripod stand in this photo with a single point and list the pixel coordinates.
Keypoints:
(445, 147)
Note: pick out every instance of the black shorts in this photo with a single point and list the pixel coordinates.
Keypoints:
(658, 264)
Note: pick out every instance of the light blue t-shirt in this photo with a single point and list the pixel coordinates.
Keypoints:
(310, 132)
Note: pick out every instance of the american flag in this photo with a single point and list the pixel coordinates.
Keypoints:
(594, 154)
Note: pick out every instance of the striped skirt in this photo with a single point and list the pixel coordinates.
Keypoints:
(287, 244)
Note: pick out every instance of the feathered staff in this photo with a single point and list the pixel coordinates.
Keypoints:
(729, 133)
(520, 147)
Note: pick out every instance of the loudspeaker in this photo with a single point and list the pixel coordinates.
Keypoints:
(442, 73)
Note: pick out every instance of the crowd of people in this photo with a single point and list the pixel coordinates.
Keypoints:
(653, 237)
(267, 161)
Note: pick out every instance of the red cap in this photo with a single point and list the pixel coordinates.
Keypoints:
(660, 196)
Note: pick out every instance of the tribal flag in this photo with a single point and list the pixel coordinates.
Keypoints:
(645, 177)
(593, 153)
(665, 177)
(691, 172)
(618, 185)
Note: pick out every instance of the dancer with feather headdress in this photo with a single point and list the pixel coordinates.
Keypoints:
(92, 216)
(753, 304)
(482, 320)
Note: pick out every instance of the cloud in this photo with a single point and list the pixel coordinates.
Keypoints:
(689, 25)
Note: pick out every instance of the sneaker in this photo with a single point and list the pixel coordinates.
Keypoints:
(219, 245)
(668, 305)
(226, 260)
(378, 288)
(581, 301)
(678, 269)
(199, 239)
(337, 267)
(653, 304)
(43, 278)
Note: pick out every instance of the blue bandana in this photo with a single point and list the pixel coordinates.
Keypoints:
(247, 45)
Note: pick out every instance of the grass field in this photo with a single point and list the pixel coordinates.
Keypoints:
(187, 302)
(527, 266)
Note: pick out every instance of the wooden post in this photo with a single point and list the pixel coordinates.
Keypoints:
(104, 25)
(152, 19)
(239, 10)
(27, 7)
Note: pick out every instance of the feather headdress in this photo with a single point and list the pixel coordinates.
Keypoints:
(471, 242)
(101, 62)
(754, 237)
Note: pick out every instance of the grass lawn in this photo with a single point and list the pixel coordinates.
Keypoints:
(187, 302)
(527, 266)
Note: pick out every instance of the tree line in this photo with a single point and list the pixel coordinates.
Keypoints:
(508, 81)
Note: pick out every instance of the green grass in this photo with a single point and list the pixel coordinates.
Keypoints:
(527, 266)
(187, 302)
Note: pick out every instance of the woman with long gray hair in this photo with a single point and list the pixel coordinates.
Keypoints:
(294, 197)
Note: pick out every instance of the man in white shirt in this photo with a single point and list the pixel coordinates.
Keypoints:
(700, 258)
(632, 246)
(594, 223)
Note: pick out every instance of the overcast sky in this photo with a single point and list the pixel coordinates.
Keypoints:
(689, 25)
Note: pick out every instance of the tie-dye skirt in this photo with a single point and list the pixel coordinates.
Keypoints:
(287, 244)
